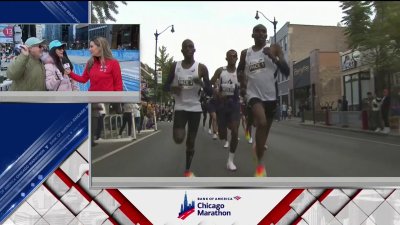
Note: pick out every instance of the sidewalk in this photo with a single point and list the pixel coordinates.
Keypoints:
(297, 120)
(124, 137)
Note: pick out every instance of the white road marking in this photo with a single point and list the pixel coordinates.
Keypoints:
(122, 148)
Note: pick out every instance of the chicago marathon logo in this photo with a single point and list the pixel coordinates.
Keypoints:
(186, 208)
(208, 206)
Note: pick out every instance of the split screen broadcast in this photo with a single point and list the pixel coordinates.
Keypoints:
(141, 134)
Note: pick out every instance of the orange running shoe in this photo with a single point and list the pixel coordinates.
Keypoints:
(189, 174)
(260, 171)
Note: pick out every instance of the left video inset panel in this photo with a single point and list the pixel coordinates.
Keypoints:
(69, 63)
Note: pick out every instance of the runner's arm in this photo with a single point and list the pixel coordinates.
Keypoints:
(206, 80)
(281, 63)
(240, 73)
(216, 76)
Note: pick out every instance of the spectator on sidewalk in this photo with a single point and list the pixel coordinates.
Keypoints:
(345, 104)
(385, 108)
(377, 114)
(342, 107)
(289, 112)
(278, 112)
(96, 108)
(127, 118)
(284, 111)
(143, 116)
(100, 121)
(136, 113)
(367, 107)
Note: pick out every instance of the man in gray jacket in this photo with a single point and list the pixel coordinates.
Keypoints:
(27, 71)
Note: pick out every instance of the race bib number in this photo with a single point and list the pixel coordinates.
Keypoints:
(228, 89)
(254, 66)
(186, 83)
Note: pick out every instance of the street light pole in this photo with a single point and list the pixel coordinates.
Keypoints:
(156, 34)
(273, 22)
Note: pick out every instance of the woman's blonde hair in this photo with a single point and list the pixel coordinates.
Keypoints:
(105, 51)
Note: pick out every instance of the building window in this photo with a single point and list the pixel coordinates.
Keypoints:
(351, 91)
(365, 80)
(356, 87)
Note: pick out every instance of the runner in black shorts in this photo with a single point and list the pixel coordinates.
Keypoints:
(229, 108)
(257, 76)
(184, 81)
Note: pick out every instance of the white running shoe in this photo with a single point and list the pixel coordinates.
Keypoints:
(251, 140)
(378, 130)
(215, 136)
(386, 130)
(209, 131)
(226, 144)
(230, 166)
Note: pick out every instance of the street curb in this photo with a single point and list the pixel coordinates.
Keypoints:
(349, 129)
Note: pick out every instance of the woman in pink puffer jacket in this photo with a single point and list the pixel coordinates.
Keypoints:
(55, 80)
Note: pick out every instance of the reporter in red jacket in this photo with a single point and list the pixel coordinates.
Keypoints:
(103, 71)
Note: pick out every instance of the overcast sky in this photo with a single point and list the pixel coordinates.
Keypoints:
(216, 27)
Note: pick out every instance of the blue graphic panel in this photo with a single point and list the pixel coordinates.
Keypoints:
(44, 11)
(35, 139)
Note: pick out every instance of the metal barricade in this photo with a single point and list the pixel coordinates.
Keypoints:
(116, 118)
(113, 122)
(104, 126)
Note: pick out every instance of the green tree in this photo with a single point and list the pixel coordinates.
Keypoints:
(372, 27)
(164, 62)
(102, 10)
(357, 20)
